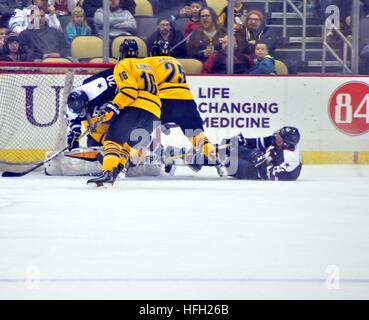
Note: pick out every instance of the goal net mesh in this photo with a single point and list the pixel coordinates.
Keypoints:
(32, 108)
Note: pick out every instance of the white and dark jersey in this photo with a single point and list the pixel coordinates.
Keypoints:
(283, 164)
(99, 88)
(259, 143)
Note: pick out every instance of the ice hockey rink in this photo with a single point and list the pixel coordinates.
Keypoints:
(187, 237)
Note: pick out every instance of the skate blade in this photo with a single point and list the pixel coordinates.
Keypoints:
(99, 185)
(170, 169)
(121, 176)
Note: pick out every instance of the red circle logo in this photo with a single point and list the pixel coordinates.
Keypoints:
(349, 108)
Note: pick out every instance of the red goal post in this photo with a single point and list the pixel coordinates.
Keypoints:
(32, 107)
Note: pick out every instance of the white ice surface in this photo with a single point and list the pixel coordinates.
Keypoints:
(187, 237)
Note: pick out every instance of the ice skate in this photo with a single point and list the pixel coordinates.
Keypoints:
(107, 178)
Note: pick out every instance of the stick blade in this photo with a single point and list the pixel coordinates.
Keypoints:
(9, 174)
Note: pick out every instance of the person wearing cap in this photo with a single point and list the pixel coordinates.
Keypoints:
(12, 50)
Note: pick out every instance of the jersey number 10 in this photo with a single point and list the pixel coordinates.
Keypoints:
(149, 82)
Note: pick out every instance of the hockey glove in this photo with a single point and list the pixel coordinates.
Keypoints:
(276, 172)
(73, 134)
(266, 158)
(110, 111)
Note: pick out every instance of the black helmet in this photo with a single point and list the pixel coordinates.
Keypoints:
(290, 135)
(77, 101)
(128, 49)
(160, 48)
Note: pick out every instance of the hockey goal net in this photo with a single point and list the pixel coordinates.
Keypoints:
(32, 107)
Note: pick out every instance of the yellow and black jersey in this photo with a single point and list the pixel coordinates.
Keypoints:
(137, 86)
(171, 78)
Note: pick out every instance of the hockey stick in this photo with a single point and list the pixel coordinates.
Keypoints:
(191, 153)
(8, 174)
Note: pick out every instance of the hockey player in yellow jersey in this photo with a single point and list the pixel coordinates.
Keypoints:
(133, 114)
(178, 104)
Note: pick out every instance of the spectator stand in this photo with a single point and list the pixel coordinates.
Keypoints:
(217, 5)
(191, 66)
(85, 48)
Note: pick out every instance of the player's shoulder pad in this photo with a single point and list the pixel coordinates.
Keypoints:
(122, 65)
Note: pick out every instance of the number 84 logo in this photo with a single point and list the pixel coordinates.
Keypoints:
(349, 108)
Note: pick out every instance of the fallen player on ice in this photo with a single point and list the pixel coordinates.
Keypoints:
(275, 157)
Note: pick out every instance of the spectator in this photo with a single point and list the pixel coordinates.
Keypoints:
(167, 32)
(240, 13)
(3, 32)
(217, 62)
(77, 26)
(63, 7)
(194, 22)
(12, 50)
(207, 39)
(185, 10)
(90, 6)
(121, 21)
(42, 42)
(21, 18)
(256, 30)
(129, 5)
(264, 63)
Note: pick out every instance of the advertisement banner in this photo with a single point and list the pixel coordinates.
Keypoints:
(332, 113)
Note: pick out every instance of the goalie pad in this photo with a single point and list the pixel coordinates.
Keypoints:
(87, 162)
(77, 162)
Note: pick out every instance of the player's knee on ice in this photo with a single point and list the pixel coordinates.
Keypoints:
(246, 159)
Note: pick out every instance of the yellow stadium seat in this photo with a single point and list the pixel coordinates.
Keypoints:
(142, 49)
(217, 5)
(61, 60)
(101, 60)
(280, 67)
(87, 47)
(191, 66)
(144, 8)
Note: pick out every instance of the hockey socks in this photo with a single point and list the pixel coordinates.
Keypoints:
(112, 153)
